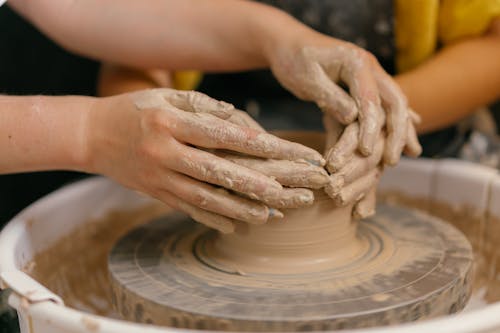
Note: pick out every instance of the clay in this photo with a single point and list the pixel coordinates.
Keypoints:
(75, 266)
(481, 230)
(310, 239)
(64, 267)
(400, 266)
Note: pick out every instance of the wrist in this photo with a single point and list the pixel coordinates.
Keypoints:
(274, 30)
(78, 127)
(95, 134)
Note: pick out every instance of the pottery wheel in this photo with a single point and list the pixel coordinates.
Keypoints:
(413, 266)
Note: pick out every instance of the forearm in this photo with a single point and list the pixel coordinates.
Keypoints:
(43, 133)
(457, 80)
(206, 35)
(115, 80)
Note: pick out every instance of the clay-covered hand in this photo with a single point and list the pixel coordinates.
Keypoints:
(314, 67)
(342, 142)
(149, 141)
(288, 173)
(353, 176)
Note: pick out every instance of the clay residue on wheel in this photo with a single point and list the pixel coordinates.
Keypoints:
(482, 231)
(75, 266)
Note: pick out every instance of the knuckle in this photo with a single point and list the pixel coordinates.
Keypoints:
(200, 198)
(306, 52)
(370, 58)
(155, 119)
(148, 150)
(197, 99)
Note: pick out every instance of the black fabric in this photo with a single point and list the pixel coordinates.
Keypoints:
(32, 64)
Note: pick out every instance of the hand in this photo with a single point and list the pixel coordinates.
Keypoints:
(304, 174)
(354, 177)
(149, 141)
(312, 67)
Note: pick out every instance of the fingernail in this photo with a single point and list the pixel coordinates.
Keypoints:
(319, 180)
(225, 106)
(335, 162)
(365, 148)
(360, 213)
(275, 213)
(336, 183)
(392, 160)
(226, 230)
(315, 163)
(340, 200)
(306, 198)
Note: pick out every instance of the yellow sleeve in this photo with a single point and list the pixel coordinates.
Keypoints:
(465, 18)
(415, 31)
(186, 80)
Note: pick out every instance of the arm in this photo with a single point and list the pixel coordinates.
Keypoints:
(43, 133)
(157, 142)
(460, 78)
(229, 35)
(190, 34)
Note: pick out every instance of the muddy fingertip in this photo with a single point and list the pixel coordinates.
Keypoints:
(275, 214)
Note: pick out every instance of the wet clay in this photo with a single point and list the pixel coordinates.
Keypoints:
(310, 239)
(75, 266)
(407, 266)
(482, 230)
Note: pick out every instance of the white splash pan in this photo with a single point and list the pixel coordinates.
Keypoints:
(40, 311)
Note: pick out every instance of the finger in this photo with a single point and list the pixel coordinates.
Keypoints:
(364, 90)
(357, 189)
(413, 147)
(287, 173)
(243, 119)
(291, 198)
(333, 131)
(190, 101)
(215, 221)
(356, 168)
(209, 168)
(218, 200)
(415, 117)
(194, 101)
(394, 102)
(366, 206)
(394, 147)
(344, 149)
(329, 97)
(208, 131)
(371, 120)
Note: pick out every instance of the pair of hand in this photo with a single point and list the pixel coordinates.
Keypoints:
(313, 70)
(161, 143)
(216, 164)
(367, 127)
